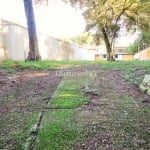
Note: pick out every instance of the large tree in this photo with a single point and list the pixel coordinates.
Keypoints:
(107, 17)
(33, 40)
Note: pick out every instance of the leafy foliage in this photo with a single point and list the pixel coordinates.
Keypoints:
(146, 38)
(83, 39)
(132, 48)
(107, 17)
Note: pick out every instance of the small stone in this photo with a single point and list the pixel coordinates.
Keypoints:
(145, 85)
(148, 91)
(148, 84)
(12, 79)
(92, 91)
(146, 78)
(143, 88)
(146, 101)
(33, 130)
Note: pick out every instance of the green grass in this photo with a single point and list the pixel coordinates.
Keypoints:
(121, 65)
(69, 94)
(13, 66)
(18, 131)
(132, 71)
(59, 130)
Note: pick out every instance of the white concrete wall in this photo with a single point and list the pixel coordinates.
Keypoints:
(3, 51)
(119, 57)
(14, 41)
(54, 49)
(14, 45)
(84, 54)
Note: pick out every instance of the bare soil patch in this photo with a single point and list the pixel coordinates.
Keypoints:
(22, 96)
(115, 117)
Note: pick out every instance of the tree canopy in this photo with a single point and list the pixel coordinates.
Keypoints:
(107, 17)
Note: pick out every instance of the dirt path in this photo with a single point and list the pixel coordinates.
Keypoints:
(115, 118)
(22, 96)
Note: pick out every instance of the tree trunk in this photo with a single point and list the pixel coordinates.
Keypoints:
(108, 45)
(110, 56)
(33, 41)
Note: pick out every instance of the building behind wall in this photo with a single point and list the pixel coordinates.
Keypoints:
(117, 56)
(143, 55)
(124, 56)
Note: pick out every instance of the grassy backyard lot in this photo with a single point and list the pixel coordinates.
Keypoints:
(79, 111)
